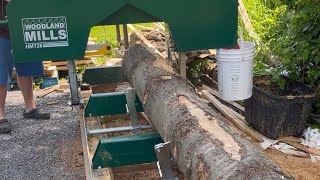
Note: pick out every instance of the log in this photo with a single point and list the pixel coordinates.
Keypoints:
(203, 144)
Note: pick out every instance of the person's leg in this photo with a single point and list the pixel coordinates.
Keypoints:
(3, 95)
(25, 73)
(6, 66)
(26, 86)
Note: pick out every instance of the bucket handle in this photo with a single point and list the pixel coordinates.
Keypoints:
(240, 42)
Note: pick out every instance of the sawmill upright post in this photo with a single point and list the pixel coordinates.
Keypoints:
(182, 59)
(73, 80)
(125, 36)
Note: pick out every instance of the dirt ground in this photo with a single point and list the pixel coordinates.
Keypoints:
(42, 149)
(298, 167)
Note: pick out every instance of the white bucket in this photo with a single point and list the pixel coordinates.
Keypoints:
(235, 71)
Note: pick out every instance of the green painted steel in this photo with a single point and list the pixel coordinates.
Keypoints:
(109, 104)
(59, 29)
(126, 150)
(103, 75)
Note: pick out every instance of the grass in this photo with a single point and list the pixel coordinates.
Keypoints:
(108, 34)
(315, 126)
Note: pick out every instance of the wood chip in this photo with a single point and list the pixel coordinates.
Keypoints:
(52, 103)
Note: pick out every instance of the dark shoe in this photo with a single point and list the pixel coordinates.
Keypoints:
(36, 114)
(5, 126)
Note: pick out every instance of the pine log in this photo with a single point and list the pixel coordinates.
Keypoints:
(203, 144)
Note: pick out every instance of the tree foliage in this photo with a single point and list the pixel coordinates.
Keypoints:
(296, 40)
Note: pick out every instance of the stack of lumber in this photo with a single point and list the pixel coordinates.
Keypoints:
(62, 65)
(49, 71)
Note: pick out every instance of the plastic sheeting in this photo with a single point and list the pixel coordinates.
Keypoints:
(311, 138)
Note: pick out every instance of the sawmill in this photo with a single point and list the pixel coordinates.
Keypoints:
(168, 122)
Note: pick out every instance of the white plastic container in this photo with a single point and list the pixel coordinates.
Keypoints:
(235, 71)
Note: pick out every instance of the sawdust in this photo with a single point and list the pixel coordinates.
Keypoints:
(213, 128)
(298, 167)
(139, 175)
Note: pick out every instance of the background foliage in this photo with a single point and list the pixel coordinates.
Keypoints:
(291, 30)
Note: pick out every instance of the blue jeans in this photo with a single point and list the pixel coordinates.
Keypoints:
(33, 69)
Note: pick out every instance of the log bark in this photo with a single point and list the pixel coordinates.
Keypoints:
(203, 144)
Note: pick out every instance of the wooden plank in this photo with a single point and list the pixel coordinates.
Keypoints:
(246, 19)
(148, 43)
(52, 103)
(248, 25)
(89, 144)
(78, 62)
(48, 91)
(302, 147)
(239, 116)
(64, 85)
(62, 68)
(160, 26)
(211, 91)
(241, 125)
(144, 27)
(216, 93)
(47, 62)
(290, 138)
(86, 145)
(134, 168)
(58, 63)
(183, 64)
(113, 61)
(296, 142)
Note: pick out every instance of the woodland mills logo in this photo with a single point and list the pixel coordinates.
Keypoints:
(45, 32)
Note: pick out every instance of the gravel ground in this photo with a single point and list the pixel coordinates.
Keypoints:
(42, 149)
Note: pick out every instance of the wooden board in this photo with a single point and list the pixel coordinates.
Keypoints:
(147, 42)
(240, 124)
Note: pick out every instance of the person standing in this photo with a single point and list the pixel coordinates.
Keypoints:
(25, 74)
